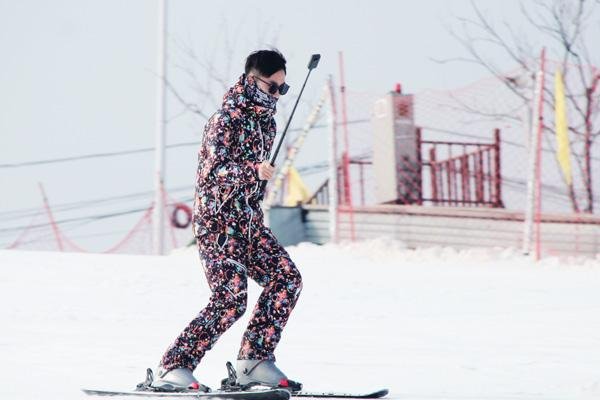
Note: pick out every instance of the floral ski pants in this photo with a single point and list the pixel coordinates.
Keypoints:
(228, 261)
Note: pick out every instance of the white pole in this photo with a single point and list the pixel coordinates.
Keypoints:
(333, 193)
(159, 181)
(532, 165)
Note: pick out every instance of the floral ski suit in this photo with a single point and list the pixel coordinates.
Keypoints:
(232, 240)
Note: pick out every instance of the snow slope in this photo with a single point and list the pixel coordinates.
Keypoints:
(428, 323)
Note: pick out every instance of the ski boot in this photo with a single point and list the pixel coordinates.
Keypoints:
(264, 373)
(176, 380)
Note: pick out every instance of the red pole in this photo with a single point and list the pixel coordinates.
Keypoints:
(497, 171)
(346, 158)
(449, 178)
(419, 168)
(464, 171)
(434, 178)
(456, 169)
(470, 179)
(479, 176)
(488, 153)
(51, 218)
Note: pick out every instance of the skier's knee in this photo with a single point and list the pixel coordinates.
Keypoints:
(237, 304)
(294, 280)
(241, 305)
(231, 305)
(298, 283)
(294, 275)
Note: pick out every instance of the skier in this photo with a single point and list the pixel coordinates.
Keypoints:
(233, 241)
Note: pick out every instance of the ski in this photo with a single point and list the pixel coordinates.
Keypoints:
(269, 394)
(339, 395)
(233, 391)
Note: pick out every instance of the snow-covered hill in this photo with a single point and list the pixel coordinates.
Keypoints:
(429, 323)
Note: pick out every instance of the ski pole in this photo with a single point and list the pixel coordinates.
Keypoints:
(312, 64)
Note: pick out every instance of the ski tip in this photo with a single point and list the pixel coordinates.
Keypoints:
(92, 392)
(380, 393)
(341, 395)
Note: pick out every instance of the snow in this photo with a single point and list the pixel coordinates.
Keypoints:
(427, 323)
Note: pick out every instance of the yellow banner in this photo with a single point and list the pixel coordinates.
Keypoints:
(297, 190)
(563, 152)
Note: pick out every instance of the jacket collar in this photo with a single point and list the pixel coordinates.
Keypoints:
(242, 98)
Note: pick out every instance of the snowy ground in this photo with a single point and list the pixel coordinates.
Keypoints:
(430, 323)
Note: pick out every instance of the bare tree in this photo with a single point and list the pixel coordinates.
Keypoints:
(207, 73)
(561, 24)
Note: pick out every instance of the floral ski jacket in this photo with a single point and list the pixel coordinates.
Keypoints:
(237, 138)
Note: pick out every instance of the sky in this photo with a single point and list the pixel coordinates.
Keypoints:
(79, 77)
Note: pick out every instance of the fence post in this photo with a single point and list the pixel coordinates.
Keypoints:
(434, 178)
(464, 172)
(419, 167)
(497, 172)
(450, 179)
(479, 193)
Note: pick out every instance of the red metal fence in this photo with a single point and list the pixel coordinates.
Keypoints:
(469, 175)
(443, 173)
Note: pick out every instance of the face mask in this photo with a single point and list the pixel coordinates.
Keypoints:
(257, 96)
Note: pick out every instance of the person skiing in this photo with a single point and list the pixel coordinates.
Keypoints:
(233, 241)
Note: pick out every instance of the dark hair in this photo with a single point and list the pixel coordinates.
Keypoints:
(267, 62)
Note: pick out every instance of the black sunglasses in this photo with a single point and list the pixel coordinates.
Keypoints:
(273, 87)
